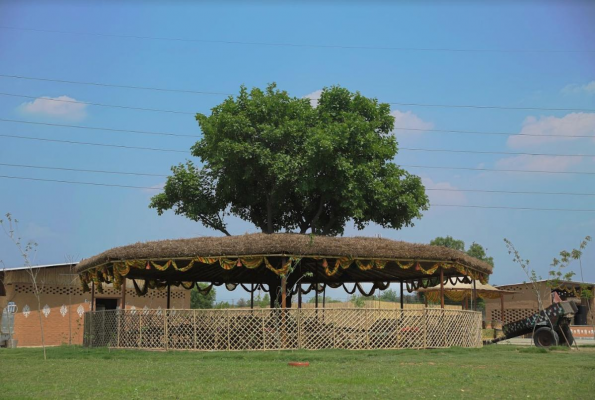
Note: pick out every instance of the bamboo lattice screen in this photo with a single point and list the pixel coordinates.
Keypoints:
(277, 329)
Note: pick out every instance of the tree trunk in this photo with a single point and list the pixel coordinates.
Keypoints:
(41, 325)
(276, 295)
(269, 215)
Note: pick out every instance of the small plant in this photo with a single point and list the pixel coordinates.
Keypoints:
(27, 251)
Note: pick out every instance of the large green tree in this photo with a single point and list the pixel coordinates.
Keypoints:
(283, 164)
(475, 250)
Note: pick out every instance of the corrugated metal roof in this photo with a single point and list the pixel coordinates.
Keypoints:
(38, 266)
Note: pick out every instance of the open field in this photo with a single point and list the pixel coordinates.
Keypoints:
(490, 372)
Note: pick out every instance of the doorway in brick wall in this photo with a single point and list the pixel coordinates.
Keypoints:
(106, 304)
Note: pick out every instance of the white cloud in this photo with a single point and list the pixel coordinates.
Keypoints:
(314, 96)
(448, 194)
(539, 163)
(582, 124)
(588, 88)
(47, 106)
(408, 120)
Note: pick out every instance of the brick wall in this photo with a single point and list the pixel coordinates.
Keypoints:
(62, 319)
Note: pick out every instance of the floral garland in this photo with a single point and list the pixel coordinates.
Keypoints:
(121, 269)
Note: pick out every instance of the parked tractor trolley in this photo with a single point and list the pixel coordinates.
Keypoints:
(550, 327)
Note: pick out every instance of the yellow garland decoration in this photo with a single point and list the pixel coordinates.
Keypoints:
(328, 271)
(405, 266)
(227, 264)
(364, 267)
(122, 269)
(252, 262)
(284, 268)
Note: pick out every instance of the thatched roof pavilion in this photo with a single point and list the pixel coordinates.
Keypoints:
(273, 260)
(465, 293)
(461, 291)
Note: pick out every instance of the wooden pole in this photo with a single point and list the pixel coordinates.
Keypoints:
(300, 295)
(502, 308)
(316, 291)
(441, 288)
(324, 297)
(283, 291)
(168, 294)
(123, 296)
(252, 296)
(93, 296)
(402, 295)
(474, 296)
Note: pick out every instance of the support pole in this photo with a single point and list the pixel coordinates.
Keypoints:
(283, 292)
(502, 308)
(252, 296)
(402, 295)
(474, 296)
(441, 288)
(123, 295)
(324, 297)
(300, 295)
(316, 291)
(168, 294)
(93, 296)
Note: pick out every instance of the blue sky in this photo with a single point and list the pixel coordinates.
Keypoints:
(80, 221)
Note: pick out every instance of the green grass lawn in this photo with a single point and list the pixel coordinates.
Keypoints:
(497, 371)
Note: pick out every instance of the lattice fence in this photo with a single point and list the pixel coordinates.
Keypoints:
(276, 329)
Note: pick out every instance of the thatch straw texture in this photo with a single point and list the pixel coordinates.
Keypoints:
(283, 244)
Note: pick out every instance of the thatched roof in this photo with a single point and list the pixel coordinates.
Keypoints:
(284, 244)
(459, 286)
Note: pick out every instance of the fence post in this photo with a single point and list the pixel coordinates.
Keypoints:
(228, 336)
(445, 328)
(334, 329)
(165, 333)
(425, 324)
(194, 326)
(118, 322)
(367, 314)
(140, 329)
(264, 336)
(298, 313)
(91, 329)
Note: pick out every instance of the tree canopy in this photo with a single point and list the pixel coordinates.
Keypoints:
(449, 242)
(475, 250)
(202, 301)
(283, 164)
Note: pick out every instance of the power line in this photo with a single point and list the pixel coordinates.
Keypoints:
(491, 107)
(472, 106)
(511, 192)
(402, 148)
(95, 144)
(198, 136)
(491, 133)
(115, 86)
(500, 170)
(513, 208)
(81, 170)
(154, 188)
(76, 182)
(300, 45)
(98, 128)
(99, 104)
(164, 176)
(494, 152)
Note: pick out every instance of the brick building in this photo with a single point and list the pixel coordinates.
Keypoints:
(63, 303)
